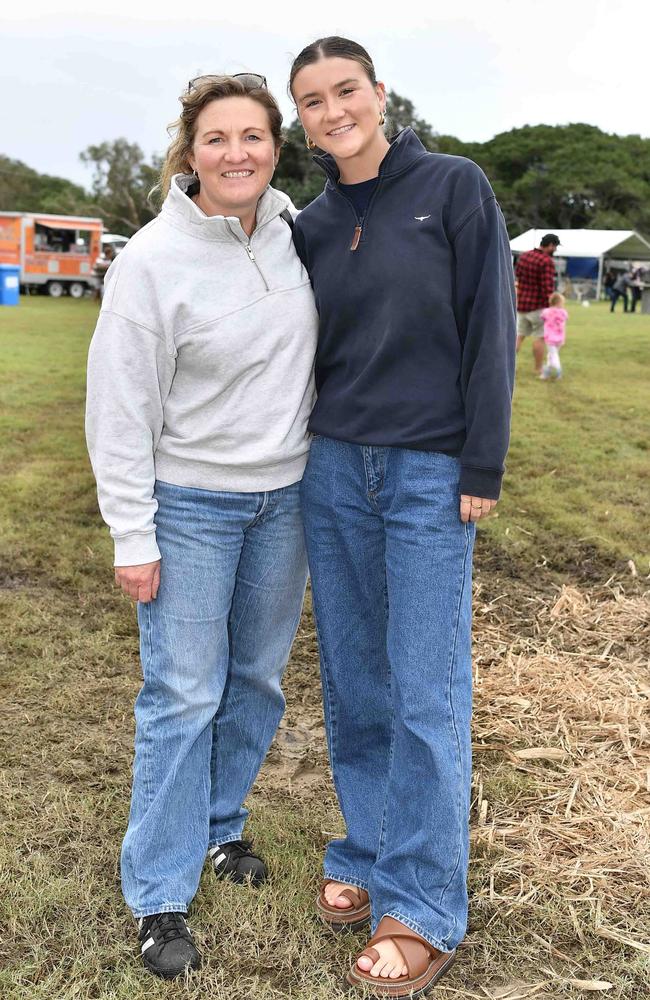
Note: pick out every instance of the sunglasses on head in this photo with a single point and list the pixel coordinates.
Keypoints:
(251, 80)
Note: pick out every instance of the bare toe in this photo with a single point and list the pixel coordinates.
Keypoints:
(389, 965)
(334, 898)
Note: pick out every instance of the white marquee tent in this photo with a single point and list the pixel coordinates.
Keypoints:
(596, 244)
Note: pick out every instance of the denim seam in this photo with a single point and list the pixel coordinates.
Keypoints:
(330, 714)
(282, 503)
(367, 470)
(382, 832)
(253, 772)
(227, 840)
(149, 631)
(452, 661)
(164, 908)
(275, 501)
(346, 879)
(263, 509)
(375, 471)
(440, 943)
(146, 635)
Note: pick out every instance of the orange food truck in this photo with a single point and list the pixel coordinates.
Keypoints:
(55, 253)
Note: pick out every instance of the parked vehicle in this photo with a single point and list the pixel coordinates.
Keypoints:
(55, 253)
(117, 242)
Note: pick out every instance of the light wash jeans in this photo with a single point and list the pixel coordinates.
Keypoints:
(213, 646)
(391, 567)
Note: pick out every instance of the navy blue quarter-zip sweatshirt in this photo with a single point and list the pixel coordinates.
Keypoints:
(417, 311)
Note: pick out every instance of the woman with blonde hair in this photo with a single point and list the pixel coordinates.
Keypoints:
(200, 386)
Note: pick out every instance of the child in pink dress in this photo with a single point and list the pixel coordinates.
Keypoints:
(555, 317)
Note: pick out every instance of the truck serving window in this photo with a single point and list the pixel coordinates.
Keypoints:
(49, 239)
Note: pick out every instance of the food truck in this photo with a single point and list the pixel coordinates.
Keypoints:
(55, 253)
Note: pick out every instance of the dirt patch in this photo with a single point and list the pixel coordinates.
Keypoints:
(12, 580)
(297, 761)
(577, 561)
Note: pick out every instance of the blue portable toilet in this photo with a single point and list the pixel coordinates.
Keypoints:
(9, 285)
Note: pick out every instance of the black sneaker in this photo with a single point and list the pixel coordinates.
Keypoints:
(167, 947)
(236, 861)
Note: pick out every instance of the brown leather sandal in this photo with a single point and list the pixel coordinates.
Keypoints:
(350, 919)
(425, 963)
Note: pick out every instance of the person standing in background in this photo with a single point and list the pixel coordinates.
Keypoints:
(619, 290)
(535, 282)
(608, 283)
(555, 317)
(100, 270)
(636, 287)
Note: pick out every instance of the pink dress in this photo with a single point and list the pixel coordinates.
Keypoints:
(554, 325)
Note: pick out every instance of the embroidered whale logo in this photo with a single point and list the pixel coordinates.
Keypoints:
(421, 218)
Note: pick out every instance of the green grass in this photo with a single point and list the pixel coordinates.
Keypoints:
(578, 470)
(572, 507)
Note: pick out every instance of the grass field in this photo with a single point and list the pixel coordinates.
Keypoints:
(561, 840)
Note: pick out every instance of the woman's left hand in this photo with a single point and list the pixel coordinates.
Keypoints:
(473, 508)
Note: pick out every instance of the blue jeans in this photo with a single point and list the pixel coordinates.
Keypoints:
(213, 645)
(390, 564)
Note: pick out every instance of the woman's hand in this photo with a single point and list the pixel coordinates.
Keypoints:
(473, 508)
(139, 582)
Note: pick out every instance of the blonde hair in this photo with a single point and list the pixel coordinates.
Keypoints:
(556, 299)
(205, 90)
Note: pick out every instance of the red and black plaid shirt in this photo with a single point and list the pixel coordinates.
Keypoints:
(535, 274)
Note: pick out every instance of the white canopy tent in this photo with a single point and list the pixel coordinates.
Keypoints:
(619, 244)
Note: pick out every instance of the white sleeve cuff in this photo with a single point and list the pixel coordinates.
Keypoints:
(136, 549)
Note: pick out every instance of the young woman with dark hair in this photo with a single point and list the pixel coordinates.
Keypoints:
(410, 265)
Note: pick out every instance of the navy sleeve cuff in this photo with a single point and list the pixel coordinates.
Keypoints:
(480, 482)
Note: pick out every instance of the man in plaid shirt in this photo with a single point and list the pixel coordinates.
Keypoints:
(535, 280)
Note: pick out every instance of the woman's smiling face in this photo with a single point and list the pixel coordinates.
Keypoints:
(339, 107)
(234, 154)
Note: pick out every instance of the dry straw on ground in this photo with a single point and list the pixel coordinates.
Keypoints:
(565, 705)
(561, 797)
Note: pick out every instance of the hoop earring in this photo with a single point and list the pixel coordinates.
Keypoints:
(382, 118)
(309, 143)
(195, 174)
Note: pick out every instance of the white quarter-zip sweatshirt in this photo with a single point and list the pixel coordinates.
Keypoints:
(200, 370)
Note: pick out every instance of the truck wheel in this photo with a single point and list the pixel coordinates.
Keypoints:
(55, 289)
(76, 290)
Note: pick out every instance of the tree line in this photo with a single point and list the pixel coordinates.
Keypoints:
(557, 176)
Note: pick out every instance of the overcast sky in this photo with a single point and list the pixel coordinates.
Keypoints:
(71, 75)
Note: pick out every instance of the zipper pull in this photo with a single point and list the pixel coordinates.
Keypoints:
(250, 253)
(355, 239)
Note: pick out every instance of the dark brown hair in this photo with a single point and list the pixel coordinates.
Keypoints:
(205, 90)
(332, 47)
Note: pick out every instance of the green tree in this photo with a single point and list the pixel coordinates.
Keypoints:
(400, 113)
(540, 175)
(25, 190)
(122, 180)
(563, 176)
(296, 174)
